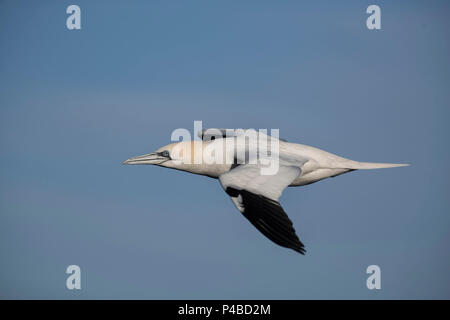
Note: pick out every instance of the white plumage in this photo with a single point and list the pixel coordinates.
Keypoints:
(241, 163)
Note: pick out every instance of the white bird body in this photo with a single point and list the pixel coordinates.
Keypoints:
(320, 164)
(255, 194)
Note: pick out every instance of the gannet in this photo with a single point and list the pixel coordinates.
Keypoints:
(255, 193)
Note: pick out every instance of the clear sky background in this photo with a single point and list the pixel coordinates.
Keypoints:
(75, 104)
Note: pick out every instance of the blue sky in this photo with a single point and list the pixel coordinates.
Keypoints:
(75, 104)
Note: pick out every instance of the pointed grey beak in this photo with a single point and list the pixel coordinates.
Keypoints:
(151, 158)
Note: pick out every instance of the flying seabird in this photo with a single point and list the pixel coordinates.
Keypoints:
(255, 193)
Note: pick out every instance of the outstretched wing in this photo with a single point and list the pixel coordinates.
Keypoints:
(256, 197)
(215, 133)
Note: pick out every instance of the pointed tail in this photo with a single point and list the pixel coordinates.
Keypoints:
(375, 165)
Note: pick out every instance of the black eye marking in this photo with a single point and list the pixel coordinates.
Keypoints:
(165, 153)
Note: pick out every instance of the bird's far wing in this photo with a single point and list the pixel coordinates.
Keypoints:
(213, 133)
(256, 197)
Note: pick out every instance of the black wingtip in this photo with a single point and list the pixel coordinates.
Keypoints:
(269, 218)
(300, 250)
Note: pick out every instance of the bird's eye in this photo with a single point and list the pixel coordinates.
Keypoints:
(165, 153)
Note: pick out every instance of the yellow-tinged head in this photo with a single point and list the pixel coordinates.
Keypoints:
(184, 152)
